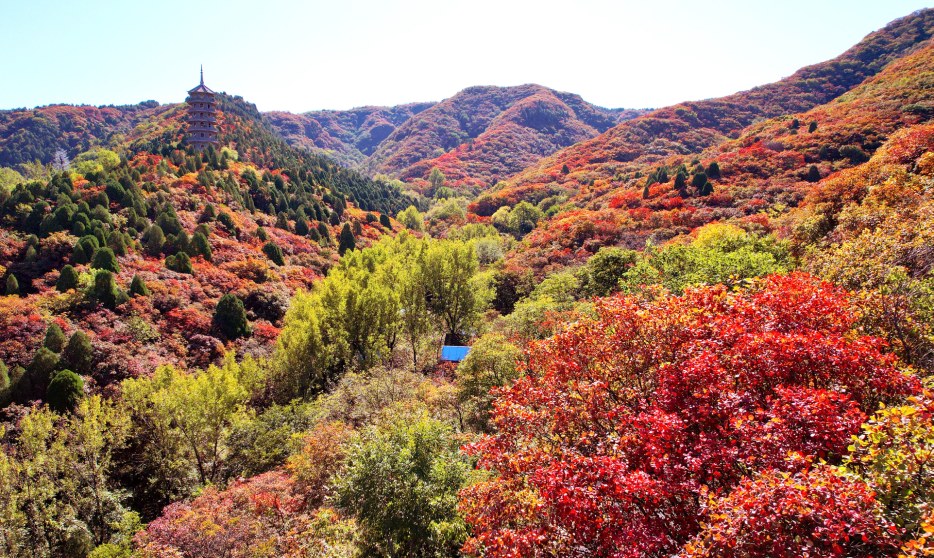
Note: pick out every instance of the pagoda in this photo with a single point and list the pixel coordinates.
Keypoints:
(202, 116)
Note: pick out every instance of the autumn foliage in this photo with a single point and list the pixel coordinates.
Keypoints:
(627, 423)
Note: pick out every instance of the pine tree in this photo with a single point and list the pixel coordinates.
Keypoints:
(201, 246)
(105, 291)
(67, 279)
(78, 354)
(104, 258)
(180, 263)
(138, 287)
(12, 285)
(153, 240)
(346, 241)
(713, 170)
(681, 183)
(65, 391)
(54, 338)
(813, 174)
(274, 253)
(230, 317)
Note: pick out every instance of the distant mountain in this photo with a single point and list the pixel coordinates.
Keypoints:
(28, 135)
(476, 137)
(349, 136)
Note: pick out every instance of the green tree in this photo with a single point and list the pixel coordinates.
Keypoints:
(65, 391)
(719, 253)
(713, 170)
(413, 305)
(384, 221)
(189, 417)
(105, 291)
(274, 253)
(67, 279)
(490, 363)
(153, 240)
(230, 317)
(5, 383)
(681, 183)
(138, 287)
(78, 354)
(54, 338)
(346, 241)
(12, 285)
(813, 174)
(411, 219)
(448, 270)
(37, 375)
(105, 259)
(523, 218)
(56, 495)
(401, 482)
(605, 269)
(436, 179)
(180, 263)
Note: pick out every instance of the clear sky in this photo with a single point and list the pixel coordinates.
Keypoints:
(338, 54)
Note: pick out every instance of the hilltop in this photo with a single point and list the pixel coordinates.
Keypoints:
(476, 137)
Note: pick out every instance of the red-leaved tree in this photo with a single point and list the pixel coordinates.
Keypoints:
(625, 425)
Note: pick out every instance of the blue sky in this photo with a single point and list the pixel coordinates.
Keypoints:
(299, 56)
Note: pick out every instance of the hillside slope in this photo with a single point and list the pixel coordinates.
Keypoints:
(691, 127)
(496, 131)
(349, 136)
(770, 167)
(257, 219)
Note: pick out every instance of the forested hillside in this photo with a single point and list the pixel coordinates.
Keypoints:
(476, 137)
(705, 331)
(350, 136)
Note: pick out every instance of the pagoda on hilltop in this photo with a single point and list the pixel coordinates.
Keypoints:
(202, 116)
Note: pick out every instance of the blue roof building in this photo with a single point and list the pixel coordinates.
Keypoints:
(454, 353)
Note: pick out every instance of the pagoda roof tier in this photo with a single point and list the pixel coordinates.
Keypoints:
(202, 88)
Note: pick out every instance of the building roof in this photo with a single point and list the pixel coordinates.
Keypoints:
(201, 88)
(454, 353)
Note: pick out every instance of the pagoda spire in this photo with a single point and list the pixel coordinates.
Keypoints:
(202, 116)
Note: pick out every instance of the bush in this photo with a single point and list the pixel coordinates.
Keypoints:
(138, 287)
(67, 279)
(105, 291)
(180, 263)
(54, 338)
(230, 317)
(65, 390)
(78, 354)
(401, 482)
(347, 240)
(104, 258)
(274, 253)
(12, 285)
